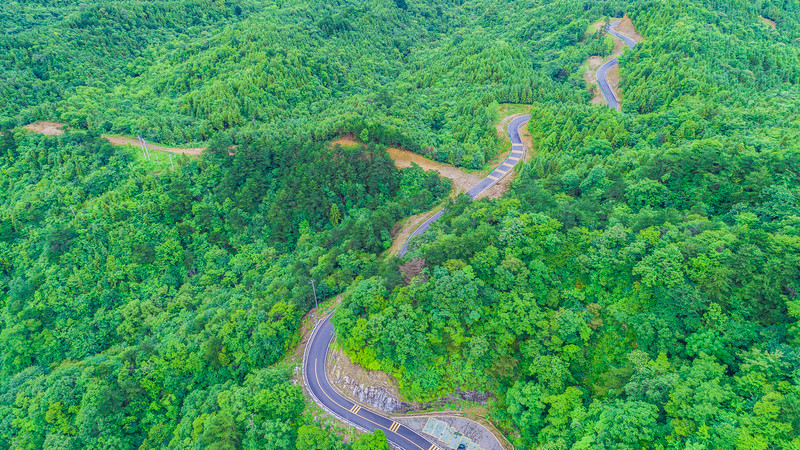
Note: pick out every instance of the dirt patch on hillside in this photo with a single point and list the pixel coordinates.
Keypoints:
(47, 128)
(347, 140)
(54, 129)
(118, 140)
(626, 27)
(769, 22)
(462, 181)
(590, 75)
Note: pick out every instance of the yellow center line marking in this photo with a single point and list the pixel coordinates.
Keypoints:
(316, 376)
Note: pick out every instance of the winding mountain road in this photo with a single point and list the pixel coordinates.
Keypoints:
(316, 379)
(316, 353)
(602, 72)
(517, 150)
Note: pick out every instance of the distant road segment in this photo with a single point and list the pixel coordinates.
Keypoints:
(602, 72)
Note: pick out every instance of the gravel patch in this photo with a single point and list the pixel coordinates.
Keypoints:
(471, 429)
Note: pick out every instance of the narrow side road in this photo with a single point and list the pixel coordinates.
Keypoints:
(322, 392)
(517, 151)
(602, 72)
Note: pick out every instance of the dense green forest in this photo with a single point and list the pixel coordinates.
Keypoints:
(635, 288)
(151, 309)
(423, 76)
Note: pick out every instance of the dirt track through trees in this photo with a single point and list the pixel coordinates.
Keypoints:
(55, 129)
(119, 140)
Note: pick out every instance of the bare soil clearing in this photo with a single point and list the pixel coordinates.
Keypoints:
(347, 140)
(46, 128)
(769, 22)
(626, 27)
(462, 181)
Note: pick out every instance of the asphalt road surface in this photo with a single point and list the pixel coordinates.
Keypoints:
(602, 78)
(517, 150)
(323, 393)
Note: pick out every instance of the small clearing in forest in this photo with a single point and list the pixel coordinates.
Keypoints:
(769, 22)
(46, 128)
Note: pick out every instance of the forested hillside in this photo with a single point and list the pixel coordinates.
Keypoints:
(422, 75)
(635, 288)
(144, 309)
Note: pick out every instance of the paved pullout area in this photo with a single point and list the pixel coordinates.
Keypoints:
(474, 431)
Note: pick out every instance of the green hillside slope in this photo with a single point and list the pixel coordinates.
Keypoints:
(636, 286)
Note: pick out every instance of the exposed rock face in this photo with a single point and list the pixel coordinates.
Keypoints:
(377, 397)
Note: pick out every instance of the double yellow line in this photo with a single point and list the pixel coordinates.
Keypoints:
(394, 427)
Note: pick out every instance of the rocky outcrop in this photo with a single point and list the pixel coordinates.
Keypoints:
(374, 396)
